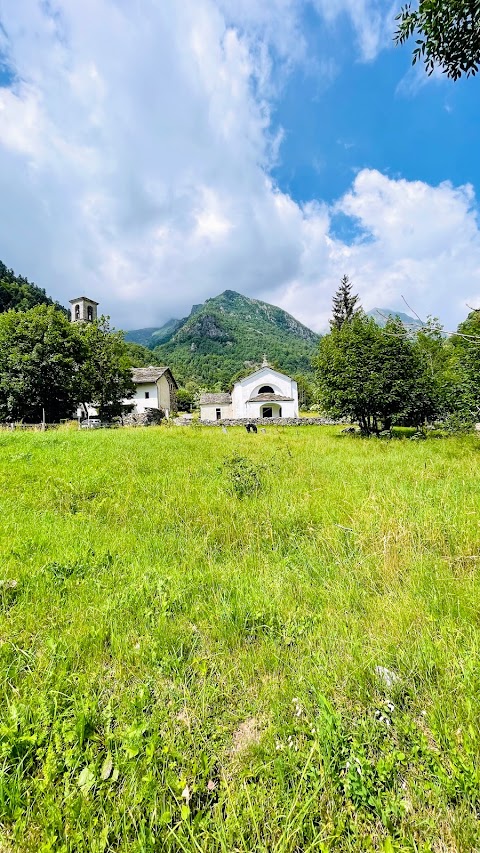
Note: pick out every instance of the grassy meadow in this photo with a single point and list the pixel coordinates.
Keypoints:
(216, 642)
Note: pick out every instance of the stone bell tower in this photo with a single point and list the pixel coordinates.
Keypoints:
(84, 310)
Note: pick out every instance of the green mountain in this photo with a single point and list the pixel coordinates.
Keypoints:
(380, 316)
(19, 293)
(227, 335)
(152, 336)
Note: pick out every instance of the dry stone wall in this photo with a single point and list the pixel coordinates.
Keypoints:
(265, 422)
(146, 418)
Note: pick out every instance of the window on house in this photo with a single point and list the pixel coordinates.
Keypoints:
(89, 313)
(147, 395)
(218, 414)
(77, 312)
(267, 412)
(266, 389)
(279, 411)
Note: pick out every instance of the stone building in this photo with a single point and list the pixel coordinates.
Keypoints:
(266, 393)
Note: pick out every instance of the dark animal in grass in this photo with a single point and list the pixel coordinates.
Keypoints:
(251, 427)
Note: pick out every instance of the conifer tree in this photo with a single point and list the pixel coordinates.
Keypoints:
(344, 304)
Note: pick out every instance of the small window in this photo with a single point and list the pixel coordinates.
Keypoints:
(89, 313)
(266, 389)
(77, 312)
(147, 395)
(218, 414)
(267, 412)
(279, 411)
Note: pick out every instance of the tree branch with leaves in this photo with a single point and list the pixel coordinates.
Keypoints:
(448, 35)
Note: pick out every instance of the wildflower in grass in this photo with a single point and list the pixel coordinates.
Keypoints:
(354, 764)
(382, 718)
(297, 707)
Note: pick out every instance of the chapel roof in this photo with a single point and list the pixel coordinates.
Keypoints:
(263, 369)
(211, 399)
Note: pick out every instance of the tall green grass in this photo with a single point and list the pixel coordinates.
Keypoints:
(190, 629)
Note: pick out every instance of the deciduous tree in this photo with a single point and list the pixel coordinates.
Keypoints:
(40, 355)
(465, 366)
(50, 364)
(106, 376)
(448, 35)
(372, 375)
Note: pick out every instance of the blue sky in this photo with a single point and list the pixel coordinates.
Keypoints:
(155, 154)
(381, 114)
(376, 115)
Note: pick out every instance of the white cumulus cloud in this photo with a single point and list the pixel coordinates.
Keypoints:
(417, 241)
(135, 166)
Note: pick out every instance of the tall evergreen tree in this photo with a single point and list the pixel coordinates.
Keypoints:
(345, 304)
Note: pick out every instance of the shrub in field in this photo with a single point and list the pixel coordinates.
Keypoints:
(79, 568)
(243, 476)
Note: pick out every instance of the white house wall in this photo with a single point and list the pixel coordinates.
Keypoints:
(139, 401)
(209, 413)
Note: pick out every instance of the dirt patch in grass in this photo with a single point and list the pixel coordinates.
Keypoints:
(247, 734)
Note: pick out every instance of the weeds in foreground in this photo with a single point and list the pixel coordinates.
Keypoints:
(243, 476)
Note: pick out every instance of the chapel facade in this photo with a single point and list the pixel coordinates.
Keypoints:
(265, 393)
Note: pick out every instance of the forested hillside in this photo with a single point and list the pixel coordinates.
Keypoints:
(19, 293)
(229, 334)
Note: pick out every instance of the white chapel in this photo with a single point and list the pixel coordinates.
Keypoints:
(266, 393)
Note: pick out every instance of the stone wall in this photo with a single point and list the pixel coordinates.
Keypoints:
(228, 422)
(146, 418)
